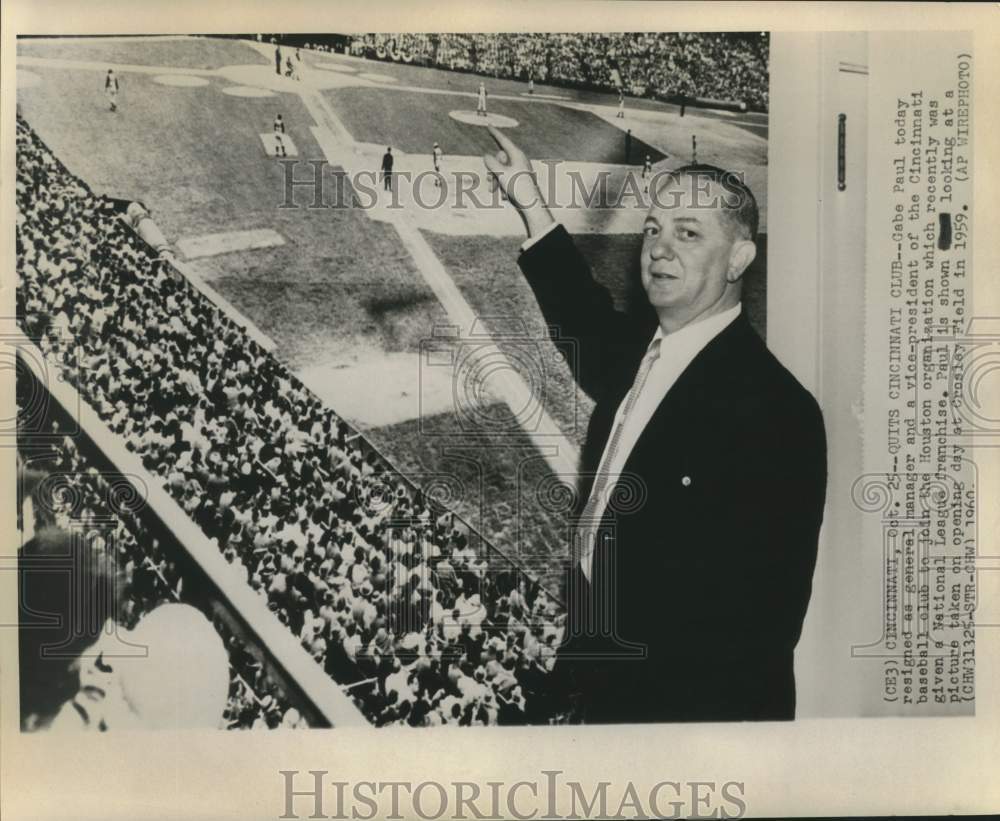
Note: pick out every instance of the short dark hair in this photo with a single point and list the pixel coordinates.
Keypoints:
(739, 207)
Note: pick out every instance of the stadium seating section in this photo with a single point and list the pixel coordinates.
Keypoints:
(381, 586)
(731, 66)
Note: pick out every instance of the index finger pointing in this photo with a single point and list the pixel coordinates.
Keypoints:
(502, 140)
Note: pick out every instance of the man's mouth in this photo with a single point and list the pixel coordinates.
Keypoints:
(662, 276)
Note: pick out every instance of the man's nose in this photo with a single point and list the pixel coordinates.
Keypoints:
(663, 248)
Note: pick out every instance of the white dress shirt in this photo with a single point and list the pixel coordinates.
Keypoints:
(677, 350)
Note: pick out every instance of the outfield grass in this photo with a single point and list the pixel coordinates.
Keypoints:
(413, 122)
(192, 53)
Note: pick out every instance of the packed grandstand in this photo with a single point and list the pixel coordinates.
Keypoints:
(728, 66)
(143, 576)
(389, 593)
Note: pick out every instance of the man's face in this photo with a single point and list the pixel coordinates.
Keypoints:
(688, 250)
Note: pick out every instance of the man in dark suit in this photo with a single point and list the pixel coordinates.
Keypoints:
(703, 473)
(387, 162)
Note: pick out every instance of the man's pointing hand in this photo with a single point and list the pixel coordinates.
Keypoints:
(512, 170)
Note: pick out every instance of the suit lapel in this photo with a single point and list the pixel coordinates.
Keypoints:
(707, 376)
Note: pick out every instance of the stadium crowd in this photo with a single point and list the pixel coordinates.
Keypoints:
(69, 495)
(720, 66)
(393, 596)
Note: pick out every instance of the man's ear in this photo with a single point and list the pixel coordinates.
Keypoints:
(742, 254)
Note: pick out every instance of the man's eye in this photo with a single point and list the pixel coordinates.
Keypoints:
(650, 230)
(687, 234)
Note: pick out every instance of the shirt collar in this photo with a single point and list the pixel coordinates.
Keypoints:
(698, 334)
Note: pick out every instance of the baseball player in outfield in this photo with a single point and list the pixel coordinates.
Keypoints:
(111, 89)
(279, 137)
(481, 101)
(437, 154)
(647, 174)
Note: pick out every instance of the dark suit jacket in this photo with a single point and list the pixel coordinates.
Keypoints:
(708, 558)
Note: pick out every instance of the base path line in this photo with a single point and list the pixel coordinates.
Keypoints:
(227, 242)
(337, 145)
(562, 455)
(324, 115)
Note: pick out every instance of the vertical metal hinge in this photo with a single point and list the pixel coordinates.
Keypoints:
(841, 152)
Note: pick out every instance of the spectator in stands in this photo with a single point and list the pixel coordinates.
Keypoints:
(725, 66)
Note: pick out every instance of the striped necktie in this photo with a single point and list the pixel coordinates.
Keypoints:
(587, 526)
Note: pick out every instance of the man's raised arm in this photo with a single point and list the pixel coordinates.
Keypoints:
(573, 303)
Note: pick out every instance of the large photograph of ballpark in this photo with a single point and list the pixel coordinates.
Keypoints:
(356, 372)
